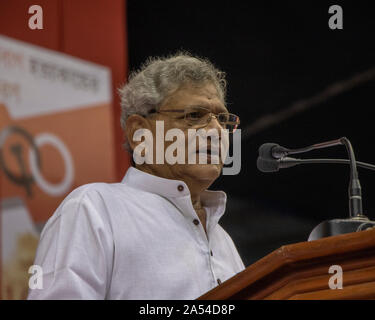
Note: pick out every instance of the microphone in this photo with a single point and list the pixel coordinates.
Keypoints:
(269, 153)
(272, 150)
(273, 157)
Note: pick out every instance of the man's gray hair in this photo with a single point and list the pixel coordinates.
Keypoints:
(159, 77)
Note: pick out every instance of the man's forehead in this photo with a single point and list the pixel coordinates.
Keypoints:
(203, 96)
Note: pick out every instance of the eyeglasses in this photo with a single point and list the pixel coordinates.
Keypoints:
(200, 117)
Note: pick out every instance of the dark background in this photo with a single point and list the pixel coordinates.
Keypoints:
(274, 54)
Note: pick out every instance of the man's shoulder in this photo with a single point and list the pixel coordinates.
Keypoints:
(104, 188)
(100, 193)
(95, 188)
(89, 201)
(90, 194)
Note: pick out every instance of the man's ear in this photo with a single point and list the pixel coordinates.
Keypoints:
(133, 123)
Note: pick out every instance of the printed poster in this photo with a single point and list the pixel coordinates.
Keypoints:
(55, 134)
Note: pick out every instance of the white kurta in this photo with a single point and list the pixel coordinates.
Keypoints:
(138, 239)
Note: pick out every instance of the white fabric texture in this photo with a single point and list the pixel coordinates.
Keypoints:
(134, 240)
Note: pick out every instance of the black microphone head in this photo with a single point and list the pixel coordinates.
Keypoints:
(267, 165)
(265, 150)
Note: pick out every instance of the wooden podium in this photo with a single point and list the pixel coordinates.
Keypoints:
(300, 271)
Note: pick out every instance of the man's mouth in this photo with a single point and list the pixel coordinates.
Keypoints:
(211, 154)
(208, 151)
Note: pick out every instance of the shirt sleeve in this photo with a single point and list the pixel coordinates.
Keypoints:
(75, 252)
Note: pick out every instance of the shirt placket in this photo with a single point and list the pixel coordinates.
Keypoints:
(186, 208)
(205, 242)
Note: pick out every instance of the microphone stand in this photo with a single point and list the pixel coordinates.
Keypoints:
(356, 221)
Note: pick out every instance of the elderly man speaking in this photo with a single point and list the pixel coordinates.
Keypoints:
(155, 235)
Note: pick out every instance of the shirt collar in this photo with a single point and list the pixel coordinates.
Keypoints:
(178, 193)
(147, 182)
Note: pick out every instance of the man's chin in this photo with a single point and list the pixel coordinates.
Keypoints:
(205, 172)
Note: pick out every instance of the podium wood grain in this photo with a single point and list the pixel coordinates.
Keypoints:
(300, 271)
